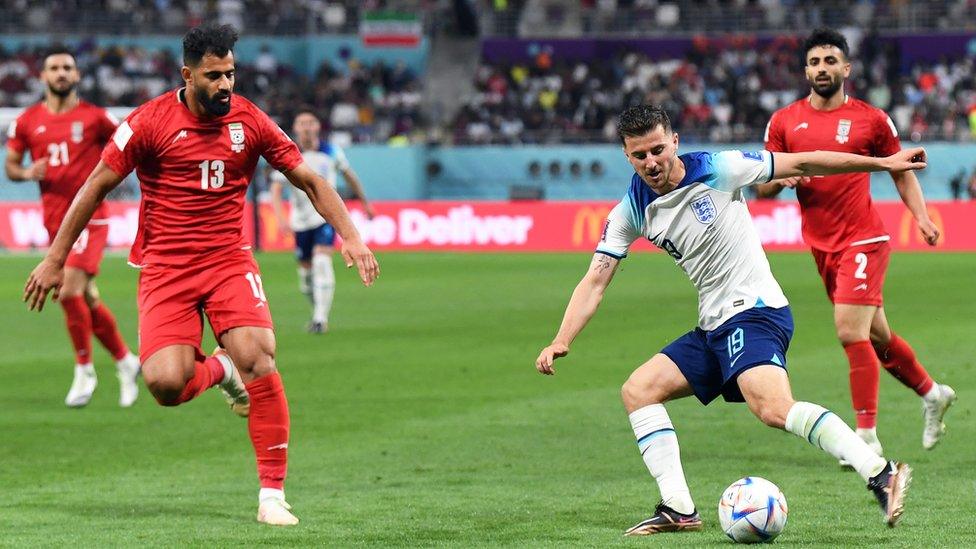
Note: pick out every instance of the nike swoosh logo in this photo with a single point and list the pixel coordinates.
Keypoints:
(282, 446)
(732, 364)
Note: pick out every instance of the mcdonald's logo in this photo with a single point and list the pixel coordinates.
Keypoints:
(588, 224)
(908, 226)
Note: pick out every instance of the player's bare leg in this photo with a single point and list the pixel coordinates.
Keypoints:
(853, 326)
(899, 360)
(178, 373)
(644, 394)
(305, 279)
(323, 288)
(127, 367)
(253, 352)
(767, 391)
(77, 317)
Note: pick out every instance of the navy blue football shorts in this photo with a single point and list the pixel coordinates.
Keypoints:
(711, 361)
(323, 235)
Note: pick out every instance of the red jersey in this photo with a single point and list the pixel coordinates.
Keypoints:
(193, 173)
(837, 209)
(72, 142)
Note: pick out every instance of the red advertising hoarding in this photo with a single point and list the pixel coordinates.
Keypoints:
(508, 226)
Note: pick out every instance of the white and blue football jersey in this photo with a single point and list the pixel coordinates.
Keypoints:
(327, 162)
(705, 226)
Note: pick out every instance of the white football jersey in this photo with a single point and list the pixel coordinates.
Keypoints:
(705, 226)
(327, 162)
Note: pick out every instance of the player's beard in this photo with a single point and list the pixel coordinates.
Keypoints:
(61, 93)
(213, 105)
(827, 90)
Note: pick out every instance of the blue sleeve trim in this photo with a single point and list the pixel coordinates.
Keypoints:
(611, 254)
(772, 166)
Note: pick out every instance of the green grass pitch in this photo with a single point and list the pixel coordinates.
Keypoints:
(420, 420)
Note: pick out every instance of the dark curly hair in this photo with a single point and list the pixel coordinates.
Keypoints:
(213, 39)
(640, 119)
(57, 49)
(824, 37)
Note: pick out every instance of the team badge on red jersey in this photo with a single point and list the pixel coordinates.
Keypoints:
(704, 209)
(77, 131)
(236, 136)
(843, 130)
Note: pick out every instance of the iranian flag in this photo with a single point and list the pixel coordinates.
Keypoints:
(386, 28)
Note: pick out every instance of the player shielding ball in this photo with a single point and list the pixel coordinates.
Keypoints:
(314, 237)
(64, 136)
(846, 235)
(692, 207)
(194, 151)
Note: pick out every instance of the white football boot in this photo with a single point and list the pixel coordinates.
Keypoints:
(82, 386)
(933, 412)
(127, 370)
(232, 385)
(276, 511)
(869, 436)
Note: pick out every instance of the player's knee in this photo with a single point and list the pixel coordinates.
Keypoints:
(256, 361)
(166, 389)
(848, 335)
(773, 413)
(71, 292)
(640, 390)
(166, 382)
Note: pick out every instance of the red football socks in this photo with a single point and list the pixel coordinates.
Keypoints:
(206, 374)
(268, 425)
(899, 359)
(865, 376)
(78, 318)
(107, 331)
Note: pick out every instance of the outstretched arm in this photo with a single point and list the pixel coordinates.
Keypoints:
(582, 306)
(829, 162)
(48, 274)
(911, 194)
(328, 203)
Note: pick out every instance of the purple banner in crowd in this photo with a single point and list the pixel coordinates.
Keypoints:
(914, 47)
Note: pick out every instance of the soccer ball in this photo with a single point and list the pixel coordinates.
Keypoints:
(752, 510)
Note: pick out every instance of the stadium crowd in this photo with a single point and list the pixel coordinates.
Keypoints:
(715, 93)
(367, 102)
(661, 17)
(721, 91)
(175, 16)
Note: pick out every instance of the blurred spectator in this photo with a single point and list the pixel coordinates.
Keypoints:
(175, 16)
(721, 91)
(365, 103)
(955, 184)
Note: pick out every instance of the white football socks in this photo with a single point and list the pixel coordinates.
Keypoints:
(820, 427)
(658, 445)
(323, 287)
(270, 493)
(305, 281)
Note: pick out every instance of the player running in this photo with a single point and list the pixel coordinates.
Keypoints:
(64, 136)
(692, 207)
(846, 235)
(194, 151)
(314, 238)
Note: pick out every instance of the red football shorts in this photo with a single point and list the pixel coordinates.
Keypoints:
(86, 253)
(854, 275)
(173, 299)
